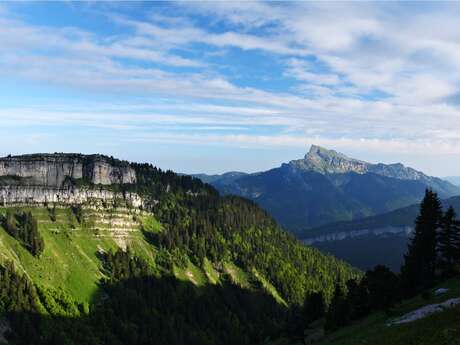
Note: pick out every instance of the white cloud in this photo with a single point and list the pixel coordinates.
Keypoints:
(374, 75)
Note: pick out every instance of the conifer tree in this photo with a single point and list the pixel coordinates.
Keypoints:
(449, 242)
(383, 287)
(338, 314)
(358, 297)
(313, 308)
(418, 270)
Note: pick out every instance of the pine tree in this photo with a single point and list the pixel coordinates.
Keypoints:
(383, 287)
(313, 308)
(358, 298)
(418, 270)
(338, 314)
(449, 242)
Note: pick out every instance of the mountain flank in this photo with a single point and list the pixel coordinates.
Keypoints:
(455, 180)
(326, 186)
(105, 249)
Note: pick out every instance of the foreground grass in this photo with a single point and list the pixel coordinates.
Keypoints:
(437, 329)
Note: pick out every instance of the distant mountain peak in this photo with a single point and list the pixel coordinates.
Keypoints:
(320, 153)
(327, 161)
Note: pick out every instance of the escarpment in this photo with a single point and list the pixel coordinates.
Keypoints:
(65, 179)
(54, 169)
(30, 195)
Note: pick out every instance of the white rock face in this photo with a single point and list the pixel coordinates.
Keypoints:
(53, 169)
(19, 195)
(49, 178)
(342, 235)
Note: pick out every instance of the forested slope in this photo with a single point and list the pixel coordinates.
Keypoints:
(188, 267)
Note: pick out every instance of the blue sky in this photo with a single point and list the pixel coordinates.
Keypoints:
(218, 86)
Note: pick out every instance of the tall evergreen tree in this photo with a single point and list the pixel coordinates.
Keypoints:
(418, 270)
(358, 297)
(449, 242)
(383, 287)
(338, 314)
(314, 308)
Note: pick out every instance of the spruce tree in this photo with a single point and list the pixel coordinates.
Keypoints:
(338, 314)
(449, 242)
(418, 270)
(358, 298)
(313, 308)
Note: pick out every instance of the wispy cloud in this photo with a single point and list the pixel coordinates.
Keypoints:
(347, 75)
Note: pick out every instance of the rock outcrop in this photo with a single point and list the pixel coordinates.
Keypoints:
(42, 195)
(55, 179)
(324, 161)
(54, 169)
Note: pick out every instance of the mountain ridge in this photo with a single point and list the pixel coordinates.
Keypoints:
(379, 239)
(326, 186)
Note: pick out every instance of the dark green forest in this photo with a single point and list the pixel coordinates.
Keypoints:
(137, 303)
(433, 255)
(24, 227)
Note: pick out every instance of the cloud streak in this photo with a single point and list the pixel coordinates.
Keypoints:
(345, 75)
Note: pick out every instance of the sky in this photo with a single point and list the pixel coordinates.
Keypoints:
(219, 86)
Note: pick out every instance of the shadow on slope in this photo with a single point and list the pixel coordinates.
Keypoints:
(150, 310)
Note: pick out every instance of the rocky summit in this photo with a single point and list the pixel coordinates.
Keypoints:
(326, 161)
(327, 186)
(322, 160)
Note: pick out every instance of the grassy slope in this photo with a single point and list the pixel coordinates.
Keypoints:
(70, 260)
(440, 328)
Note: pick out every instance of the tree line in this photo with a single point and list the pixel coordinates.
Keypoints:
(24, 227)
(433, 255)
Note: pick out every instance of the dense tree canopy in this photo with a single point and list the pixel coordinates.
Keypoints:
(144, 303)
(24, 227)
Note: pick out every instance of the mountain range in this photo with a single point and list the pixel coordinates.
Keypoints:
(326, 186)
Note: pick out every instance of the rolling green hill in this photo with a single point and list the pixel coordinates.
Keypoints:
(183, 244)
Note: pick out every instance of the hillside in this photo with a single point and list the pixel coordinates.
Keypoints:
(366, 242)
(438, 328)
(326, 186)
(103, 234)
(453, 179)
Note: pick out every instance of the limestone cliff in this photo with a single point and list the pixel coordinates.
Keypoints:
(53, 169)
(28, 195)
(53, 178)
